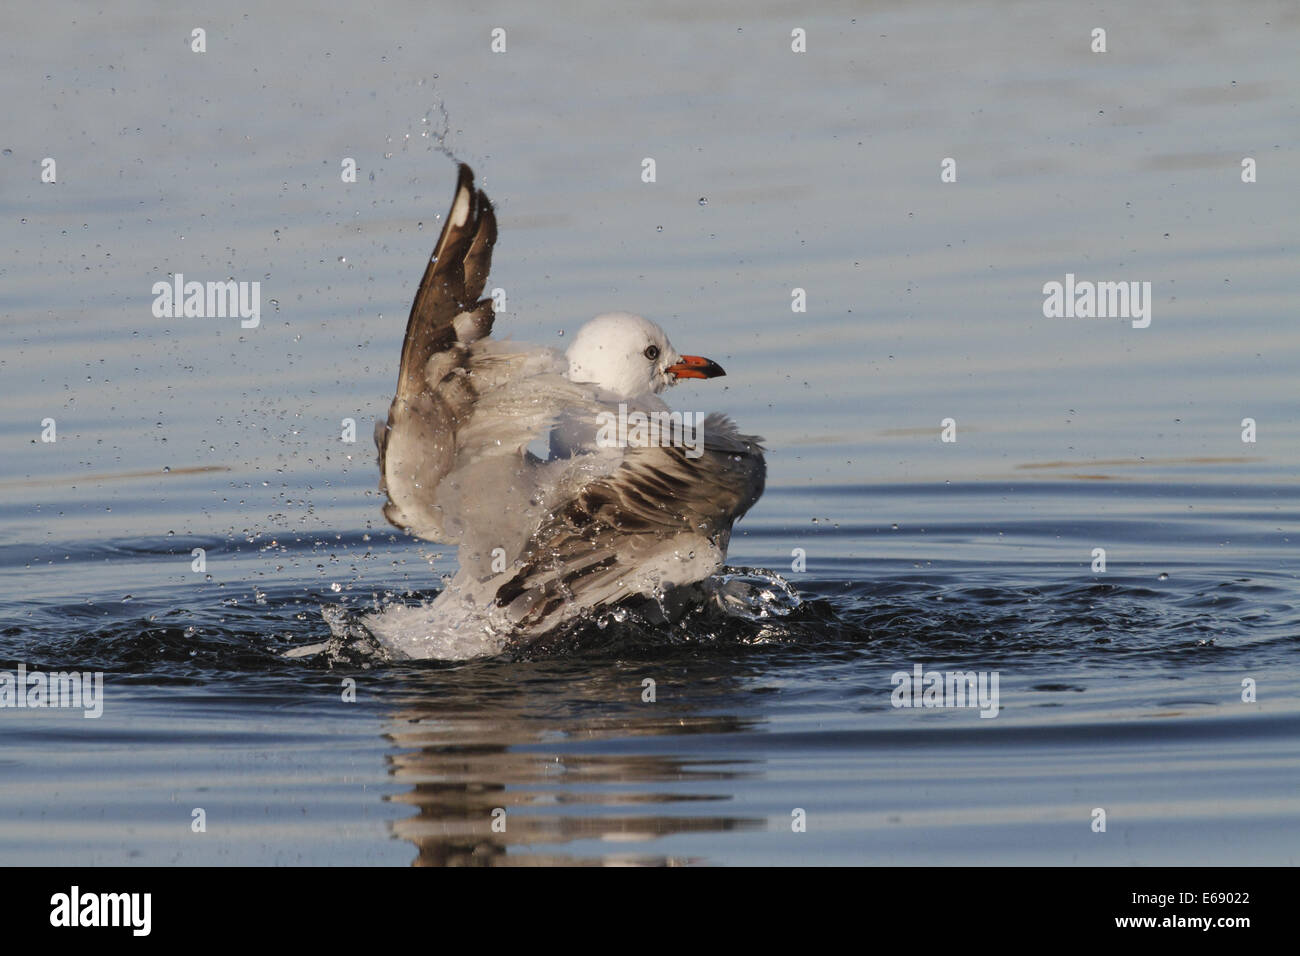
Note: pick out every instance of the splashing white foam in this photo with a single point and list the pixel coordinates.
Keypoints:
(456, 630)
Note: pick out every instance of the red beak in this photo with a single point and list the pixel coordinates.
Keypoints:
(693, 366)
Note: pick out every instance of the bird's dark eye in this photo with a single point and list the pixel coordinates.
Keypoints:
(652, 352)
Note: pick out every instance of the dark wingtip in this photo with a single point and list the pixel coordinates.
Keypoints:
(487, 217)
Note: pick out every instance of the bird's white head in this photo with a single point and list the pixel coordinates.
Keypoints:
(629, 356)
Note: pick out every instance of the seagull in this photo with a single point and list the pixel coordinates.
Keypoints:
(607, 512)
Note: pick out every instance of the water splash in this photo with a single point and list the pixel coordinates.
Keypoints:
(753, 594)
(426, 631)
(350, 641)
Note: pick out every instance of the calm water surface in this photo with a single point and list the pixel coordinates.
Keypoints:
(1119, 690)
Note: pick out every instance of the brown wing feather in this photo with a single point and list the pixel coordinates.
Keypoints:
(656, 501)
(452, 282)
(417, 443)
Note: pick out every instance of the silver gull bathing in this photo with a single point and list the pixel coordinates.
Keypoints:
(616, 513)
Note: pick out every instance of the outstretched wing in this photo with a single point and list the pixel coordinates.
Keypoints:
(435, 396)
(661, 519)
(447, 309)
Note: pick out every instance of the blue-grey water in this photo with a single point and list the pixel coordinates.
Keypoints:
(1163, 690)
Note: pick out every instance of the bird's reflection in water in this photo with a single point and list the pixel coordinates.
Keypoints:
(508, 763)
